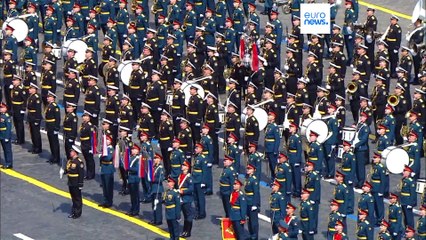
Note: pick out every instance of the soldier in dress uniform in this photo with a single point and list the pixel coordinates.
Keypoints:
(378, 180)
(283, 174)
(155, 96)
(186, 190)
(369, 27)
(250, 98)
(72, 87)
(190, 21)
(90, 68)
(408, 196)
(172, 204)
(270, 62)
(133, 180)
(294, 153)
(157, 190)
(212, 121)
(70, 127)
(8, 72)
(233, 151)
(280, 94)
(410, 233)
(363, 63)
(360, 146)
(364, 229)
(313, 185)
(384, 233)
(146, 121)
(178, 107)
(252, 192)
(313, 76)
(272, 142)
(307, 218)
(122, 19)
(226, 180)
(395, 216)
(6, 137)
(254, 158)
(34, 118)
(389, 122)
(293, 69)
(92, 100)
(185, 137)
(331, 144)
(166, 135)
(107, 173)
(316, 152)
(348, 170)
(378, 101)
(406, 61)
(251, 127)
(333, 219)
(238, 208)
(382, 53)
(47, 80)
(199, 176)
(87, 135)
(419, 105)
(30, 54)
(400, 110)
(393, 39)
(125, 113)
(403, 80)
(366, 203)
(75, 172)
(348, 30)
(364, 104)
(232, 121)
(194, 113)
(177, 157)
(321, 102)
(53, 118)
(18, 96)
(277, 205)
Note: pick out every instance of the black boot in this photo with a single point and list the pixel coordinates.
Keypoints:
(188, 231)
(185, 227)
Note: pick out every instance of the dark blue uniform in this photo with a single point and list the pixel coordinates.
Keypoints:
(208, 151)
(395, 220)
(283, 174)
(256, 160)
(199, 171)
(378, 176)
(307, 219)
(361, 153)
(365, 230)
(156, 193)
(251, 189)
(238, 213)
(5, 138)
(330, 146)
(107, 176)
(133, 182)
(278, 206)
(177, 157)
(366, 202)
(226, 180)
(313, 185)
(348, 168)
(186, 189)
(171, 200)
(316, 155)
(408, 199)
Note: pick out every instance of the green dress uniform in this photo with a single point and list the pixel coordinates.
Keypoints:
(421, 228)
(278, 205)
(255, 159)
(284, 175)
(364, 230)
(107, 176)
(313, 185)
(171, 201)
(238, 212)
(316, 155)
(5, 139)
(272, 145)
(34, 118)
(341, 195)
(395, 220)
(378, 175)
(226, 180)
(133, 182)
(294, 153)
(408, 199)
(233, 151)
(199, 172)
(177, 157)
(252, 192)
(75, 172)
(307, 219)
(208, 151)
(156, 193)
(333, 217)
(366, 203)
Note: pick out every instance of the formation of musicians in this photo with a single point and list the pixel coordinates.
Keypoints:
(205, 79)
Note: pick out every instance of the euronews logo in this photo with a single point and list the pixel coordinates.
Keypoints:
(315, 18)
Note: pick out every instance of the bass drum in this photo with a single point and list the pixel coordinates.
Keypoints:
(318, 125)
(186, 90)
(79, 46)
(125, 71)
(20, 26)
(348, 134)
(395, 159)
(260, 114)
(101, 69)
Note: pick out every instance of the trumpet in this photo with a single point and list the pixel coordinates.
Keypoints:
(352, 87)
(97, 8)
(393, 100)
(405, 131)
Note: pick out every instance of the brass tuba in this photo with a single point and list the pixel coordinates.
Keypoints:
(393, 100)
(405, 130)
(352, 87)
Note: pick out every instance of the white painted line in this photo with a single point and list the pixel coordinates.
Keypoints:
(22, 236)
(264, 218)
(61, 137)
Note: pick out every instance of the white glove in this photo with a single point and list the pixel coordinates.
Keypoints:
(328, 87)
(70, 140)
(405, 138)
(87, 18)
(297, 164)
(309, 42)
(137, 126)
(80, 188)
(156, 201)
(350, 182)
(308, 80)
(395, 234)
(350, 37)
(203, 185)
(330, 49)
(253, 208)
(6, 140)
(125, 35)
(169, 149)
(311, 232)
(246, 78)
(36, 123)
(55, 132)
(380, 194)
(159, 109)
(409, 206)
(69, 12)
(58, 31)
(22, 112)
(10, 86)
(209, 164)
(118, 120)
(95, 115)
(352, 66)
(197, 124)
(201, 15)
(216, 54)
(265, 63)
(395, 51)
(282, 107)
(286, 67)
(90, 151)
(61, 173)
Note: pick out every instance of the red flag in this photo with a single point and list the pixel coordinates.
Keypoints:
(227, 229)
(126, 159)
(94, 142)
(242, 48)
(255, 58)
(141, 167)
(104, 146)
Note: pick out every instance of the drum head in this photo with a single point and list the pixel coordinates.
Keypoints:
(262, 117)
(396, 159)
(125, 72)
(20, 26)
(186, 90)
(319, 127)
(80, 48)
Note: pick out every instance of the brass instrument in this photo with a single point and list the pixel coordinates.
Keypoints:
(393, 100)
(405, 131)
(97, 8)
(154, 7)
(352, 87)
(383, 37)
(105, 70)
(379, 122)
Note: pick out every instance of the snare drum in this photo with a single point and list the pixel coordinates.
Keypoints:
(169, 99)
(222, 117)
(348, 134)
(421, 186)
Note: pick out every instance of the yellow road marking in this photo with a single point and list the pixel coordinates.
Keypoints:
(86, 202)
(386, 10)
